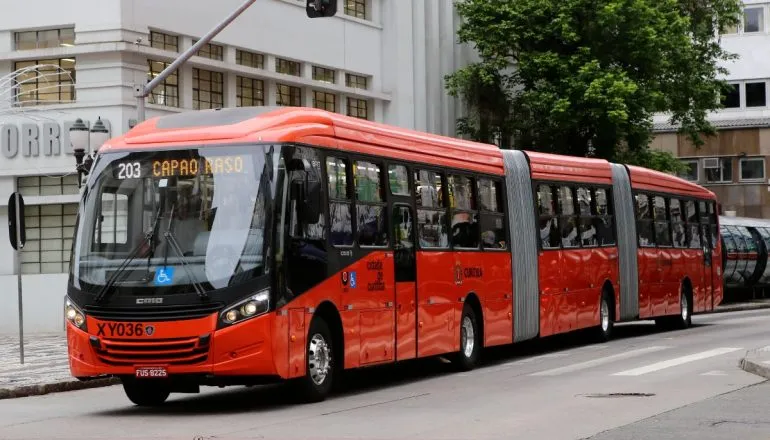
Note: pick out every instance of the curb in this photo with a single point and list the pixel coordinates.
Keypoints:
(740, 307)
(756, 368)
(56, 387)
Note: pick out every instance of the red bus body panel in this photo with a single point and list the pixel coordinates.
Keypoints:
(384, 321)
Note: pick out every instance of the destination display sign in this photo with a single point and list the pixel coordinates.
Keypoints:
(178, 167)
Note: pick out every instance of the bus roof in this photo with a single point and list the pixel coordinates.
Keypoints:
(337, 131)
(315, 126)
(651, 180)
(547, 166)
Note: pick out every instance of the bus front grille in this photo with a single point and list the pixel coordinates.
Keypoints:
(179, 351)
(153, 313)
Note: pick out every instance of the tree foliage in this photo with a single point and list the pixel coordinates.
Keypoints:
(584, 77)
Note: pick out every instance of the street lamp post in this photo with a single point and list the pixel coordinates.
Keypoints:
(81, 139)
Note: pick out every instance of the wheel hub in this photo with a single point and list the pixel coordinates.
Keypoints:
(468, 337)
(605, 316)
(319, 359)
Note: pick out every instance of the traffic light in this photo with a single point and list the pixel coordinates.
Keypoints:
(321, 8)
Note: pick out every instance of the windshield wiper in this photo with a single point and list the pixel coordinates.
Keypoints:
(171, 238)
(148, 236)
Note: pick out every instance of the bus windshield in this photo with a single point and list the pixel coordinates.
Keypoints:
(175, 221)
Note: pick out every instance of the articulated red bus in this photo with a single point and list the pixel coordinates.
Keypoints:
(249, 245)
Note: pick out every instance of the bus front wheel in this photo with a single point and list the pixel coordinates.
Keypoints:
(145, 393)
(320, 362)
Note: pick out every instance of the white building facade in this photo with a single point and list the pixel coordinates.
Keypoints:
(382, 60)
(734, 163)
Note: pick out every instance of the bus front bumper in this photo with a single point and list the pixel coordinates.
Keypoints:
(159, 349)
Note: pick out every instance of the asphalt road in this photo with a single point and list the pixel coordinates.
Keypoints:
(560, 388)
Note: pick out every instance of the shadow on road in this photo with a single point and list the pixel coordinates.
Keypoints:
(275, 397)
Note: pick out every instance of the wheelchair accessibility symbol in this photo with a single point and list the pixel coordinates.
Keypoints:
(164, 276)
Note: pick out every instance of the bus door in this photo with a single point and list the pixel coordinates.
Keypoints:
(405, 265)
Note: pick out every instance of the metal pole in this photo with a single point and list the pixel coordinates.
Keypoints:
(18, 278)
(146, 90)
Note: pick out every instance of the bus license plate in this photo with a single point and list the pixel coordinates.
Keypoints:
(151, 372)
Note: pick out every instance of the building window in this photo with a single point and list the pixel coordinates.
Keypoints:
(356, 81)
(208, 89)
(211, 51)
(167, 92)
(28, 40)
(732, 97)
(718, 169)
(51, 83)
(753, 20)
(250, 92)
(288, 95)
(356, 8)
(49, 238)
(691, 173)
(358, 108)
(756, 94)
(287, 67)
(325, 101)
(163, 41)
(324, 74)
(34, 186)
(249, 59)
(752, 168)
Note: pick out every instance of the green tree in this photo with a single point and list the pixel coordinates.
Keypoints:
(584, 77)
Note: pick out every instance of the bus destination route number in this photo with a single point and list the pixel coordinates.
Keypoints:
(151, 372)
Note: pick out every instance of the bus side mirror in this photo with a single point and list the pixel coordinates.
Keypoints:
(321, 8)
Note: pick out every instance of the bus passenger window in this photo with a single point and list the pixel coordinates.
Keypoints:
(693, 231)
(662, 231)
(431, 212)
(678, 228)
(644, 221)
(586, 210)
(465, 222)
(339, 202)
(398, 179)
(549, 223)
(492, 216)
(428, 189)
(431, 226)
(567, 217)
(370, 209)
(602, 220)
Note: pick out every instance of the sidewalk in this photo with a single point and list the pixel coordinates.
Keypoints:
(46, 369)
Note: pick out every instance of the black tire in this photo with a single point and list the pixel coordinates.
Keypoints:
(606, 318)
(146, 393)
(319, 352)
(470, 348)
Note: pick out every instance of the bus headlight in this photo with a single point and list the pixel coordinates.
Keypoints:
(73, 314)
(254, 305)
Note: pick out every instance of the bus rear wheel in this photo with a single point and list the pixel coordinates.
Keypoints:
(320, 363)
(684, 319)
(470, 340)
(606, 323)
(146, 393)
